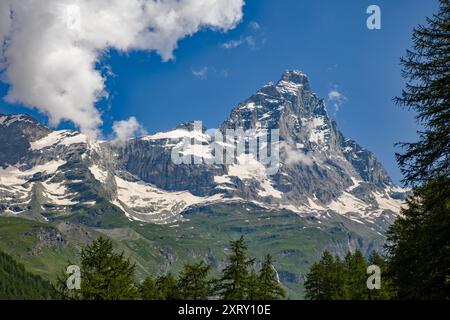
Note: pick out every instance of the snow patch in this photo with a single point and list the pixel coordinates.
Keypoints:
(356, 183)
(222, 179)
(268, 190)
(12, 175)
(141, 201)
(250, 106)
(63, 137)
(248, 168)
(178, 134)
(348, 203)
(387, 203)
(57, 194)
(288, 87)
(99, 174)
(318, 129)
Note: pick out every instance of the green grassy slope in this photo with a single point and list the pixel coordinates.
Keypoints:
(294, 241)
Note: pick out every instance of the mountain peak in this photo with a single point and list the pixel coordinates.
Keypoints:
(295, 76)
(293, 80)
(318, 170)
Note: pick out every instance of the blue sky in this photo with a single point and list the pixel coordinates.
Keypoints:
(327, 39)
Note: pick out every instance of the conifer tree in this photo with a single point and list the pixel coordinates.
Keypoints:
(268, 285)
(340, 279)
(148, 289)
(106, 275)
(167, 287)
(426, 68)
(387, 290)
(235, 277)
(313, 283)
(419, 245)
(356, 276)
(320, 283)
(193, 282)
(253, 287)
(419, 241)
(334, 279)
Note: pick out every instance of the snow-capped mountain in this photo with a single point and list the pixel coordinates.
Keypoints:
(45, 173)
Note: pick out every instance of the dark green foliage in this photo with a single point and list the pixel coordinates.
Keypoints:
(268, 286)
(419, 241)
(62, 292)
(148, 289)
(419, 244)
(106, 275)
(314, 288)
(334, 279)
(356, 279)
(18, 284)
(167, 287)
(388, 290)
(340, 275)
(193, 282)
(327, 279)
(427, 70)
(233, 285)
(253, 286)
(240, 281)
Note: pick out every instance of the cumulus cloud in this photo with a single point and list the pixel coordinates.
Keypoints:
(336, 98)
(50, 49)
(5, 20)
(126, 129)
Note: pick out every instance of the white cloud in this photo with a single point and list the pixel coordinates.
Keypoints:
(254, 39)
(52, 47)
(127, 129)
(201, 74)
(205, 73)
(336, 98)
(5, 20)
(249, 40)
(293, 156)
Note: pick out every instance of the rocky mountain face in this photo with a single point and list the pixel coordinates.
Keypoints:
(47, 174)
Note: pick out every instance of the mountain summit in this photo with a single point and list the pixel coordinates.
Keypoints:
(47, 174)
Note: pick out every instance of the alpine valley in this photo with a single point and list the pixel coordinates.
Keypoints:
(59, 190)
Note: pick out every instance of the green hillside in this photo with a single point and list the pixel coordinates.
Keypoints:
(294, 241)
(18, 284)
